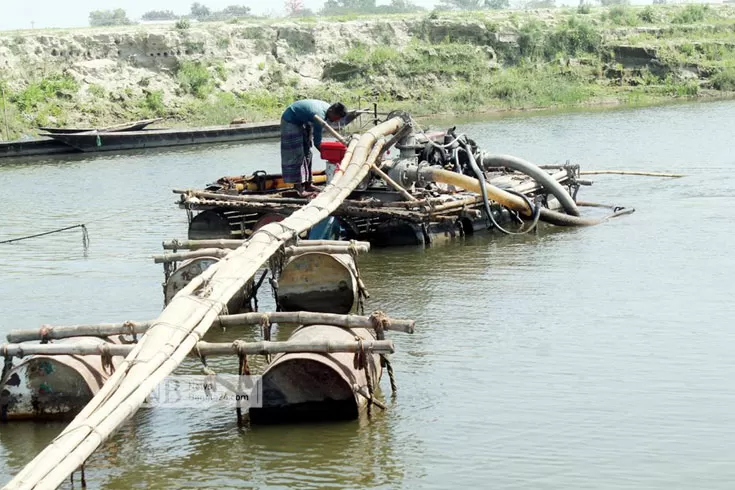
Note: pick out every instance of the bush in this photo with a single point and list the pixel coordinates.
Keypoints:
(154, 103)
(622, 15)
(531, 39)
(691, 14)
(573, 37)
(194, 78)
(183, 24)
(584, 8)
(648, 14)
(54, 86)
(724, 80)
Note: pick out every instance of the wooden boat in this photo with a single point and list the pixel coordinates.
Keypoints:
(96, 141)
(128, 126)
(299, 387)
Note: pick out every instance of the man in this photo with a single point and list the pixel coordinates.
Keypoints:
(297, 126)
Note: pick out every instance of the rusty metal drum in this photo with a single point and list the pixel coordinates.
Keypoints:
(46, 388)
(316, 281)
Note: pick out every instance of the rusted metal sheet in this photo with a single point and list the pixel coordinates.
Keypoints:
(53, 387)
(316, 281)
(304, 387)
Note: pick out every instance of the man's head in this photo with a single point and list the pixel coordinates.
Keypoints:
(336, 112)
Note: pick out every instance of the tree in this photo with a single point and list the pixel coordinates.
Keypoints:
(401, 7)
(462, 4)
(235, 11)
(540, 4)
(294, 7)
(116, 17)
(199, 11)
(500, 4)
(336, 7)
(159, 15)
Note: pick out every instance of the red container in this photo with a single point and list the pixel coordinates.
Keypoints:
(332, 151)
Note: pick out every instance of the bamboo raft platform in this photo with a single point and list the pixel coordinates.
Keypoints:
(414, 199)
(331, 364)
(193, 310)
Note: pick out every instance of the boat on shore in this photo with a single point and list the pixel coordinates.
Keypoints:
(128, 126)
(97, 141)
(133, 136)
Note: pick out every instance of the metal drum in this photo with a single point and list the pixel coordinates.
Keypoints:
(188, 270)
(321, 282)
(53, 387)
(307, 386)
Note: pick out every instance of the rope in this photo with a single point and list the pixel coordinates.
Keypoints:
(243, 370)
(45, 333)
(83, 226)
(361, 362)
(130, 326)
(107, 366)
(380, 322)
(85, 235)
(362, 293)
(266, 328)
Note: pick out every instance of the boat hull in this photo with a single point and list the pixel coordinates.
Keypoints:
(126, 140)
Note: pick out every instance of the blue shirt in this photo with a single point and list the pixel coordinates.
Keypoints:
(303, 112)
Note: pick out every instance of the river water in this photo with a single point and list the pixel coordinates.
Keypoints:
(597, 357)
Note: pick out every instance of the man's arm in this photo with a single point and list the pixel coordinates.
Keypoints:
(317, 134)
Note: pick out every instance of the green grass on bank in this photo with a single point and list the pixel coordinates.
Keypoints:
(561, 58)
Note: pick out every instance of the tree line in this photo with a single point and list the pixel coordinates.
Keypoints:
(295, 8)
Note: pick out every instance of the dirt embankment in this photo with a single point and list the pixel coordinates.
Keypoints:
(210, 73)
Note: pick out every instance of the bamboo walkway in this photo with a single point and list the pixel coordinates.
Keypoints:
(182, 324)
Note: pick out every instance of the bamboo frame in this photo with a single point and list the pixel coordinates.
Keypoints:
(185, 320)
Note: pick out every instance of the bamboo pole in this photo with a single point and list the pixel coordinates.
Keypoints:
(312, 318)
(288, 208)
(226, 321)
(100, 330)
(345, 247)
(328, 249)
(188, 194)
(630, 172)
(183, 322)
(395, 185)
(195, 254)
(235, 243)
(331, 130)
(201, 348)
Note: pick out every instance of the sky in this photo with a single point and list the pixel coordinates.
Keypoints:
(18, 14)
